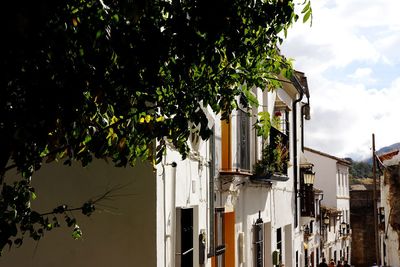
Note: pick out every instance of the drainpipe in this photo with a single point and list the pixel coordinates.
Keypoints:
(321, 245)
(169, 233)
(299, 88)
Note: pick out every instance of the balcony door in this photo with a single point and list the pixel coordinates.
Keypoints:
(184, 238)
(243, 137)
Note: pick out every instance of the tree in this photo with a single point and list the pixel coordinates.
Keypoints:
(361, 169)
(109, 79)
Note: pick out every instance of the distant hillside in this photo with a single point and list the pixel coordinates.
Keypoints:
(363, 169)
(360, 169)
(388, 148)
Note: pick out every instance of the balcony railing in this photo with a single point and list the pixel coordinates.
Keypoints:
(275, 157)
(307, 201)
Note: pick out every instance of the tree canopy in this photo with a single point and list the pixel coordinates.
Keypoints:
(86, 79)
(360, 169)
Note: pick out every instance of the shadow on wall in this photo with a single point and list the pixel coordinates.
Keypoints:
(122, 229)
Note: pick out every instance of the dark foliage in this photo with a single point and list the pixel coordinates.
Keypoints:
(84, 79)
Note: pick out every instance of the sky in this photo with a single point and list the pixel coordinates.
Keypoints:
(351, 57)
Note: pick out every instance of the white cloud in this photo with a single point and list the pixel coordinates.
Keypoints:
(353, 39)
(344, 117)
(346, 31)
(362, 75)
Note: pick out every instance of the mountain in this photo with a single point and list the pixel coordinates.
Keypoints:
(385, 150)
(388, 148)
(363, 169)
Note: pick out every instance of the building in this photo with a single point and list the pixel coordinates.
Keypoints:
(332, 177)
(388, 213)
(215, 208)
(263, 209)
(362, 224)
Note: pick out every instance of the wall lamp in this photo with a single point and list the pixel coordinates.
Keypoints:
(309, 177)
(343, 227)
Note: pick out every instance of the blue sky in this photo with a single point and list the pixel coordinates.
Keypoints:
(351, 57)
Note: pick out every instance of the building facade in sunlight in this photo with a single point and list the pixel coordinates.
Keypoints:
(332, 177)
(238, 199)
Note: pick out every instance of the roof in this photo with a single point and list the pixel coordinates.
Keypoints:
(390, 158)
(339, 160)
(331, 210)
(297, 83)
(360, 187)
(304, 162)
(303, 81)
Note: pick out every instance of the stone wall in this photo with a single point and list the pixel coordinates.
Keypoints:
(362, 222)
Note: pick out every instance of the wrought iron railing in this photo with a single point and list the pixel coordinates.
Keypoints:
(307, 201)
(275, 157)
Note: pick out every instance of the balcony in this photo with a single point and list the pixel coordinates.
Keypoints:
(307, 201)
(345, 230)
(273, 164)
(306, 192)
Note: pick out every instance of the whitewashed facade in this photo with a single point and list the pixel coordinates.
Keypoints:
(206, 210)
(332, 177)
(267, 228)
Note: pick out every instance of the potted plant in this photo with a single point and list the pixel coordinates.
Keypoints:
(273, 162)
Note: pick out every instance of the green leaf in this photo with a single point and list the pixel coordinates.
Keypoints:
(77, 232)
(251, 98)
(44, 152)
(307, 16)
(306, 8)
(99, 33)
(264, 124)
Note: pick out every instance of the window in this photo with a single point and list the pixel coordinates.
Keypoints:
(243, 141)
(281, 120)
(259, 242)
(236, 156)
(279, 242)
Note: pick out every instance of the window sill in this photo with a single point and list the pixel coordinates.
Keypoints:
(235, 172)
(271, 177)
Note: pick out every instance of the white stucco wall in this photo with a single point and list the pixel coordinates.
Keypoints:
(121, 232)
(183, 186)
(332, 177)
(275, 202)
(325, 176)
(276, 212)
